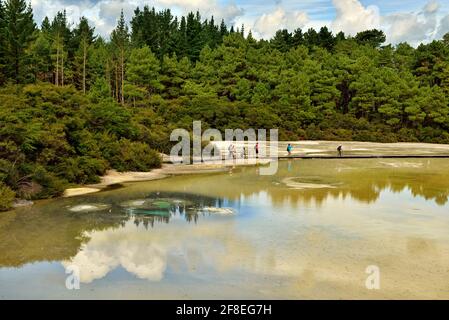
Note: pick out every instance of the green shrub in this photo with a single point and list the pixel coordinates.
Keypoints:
(133, 156)
(51, 185)
(6, 197)
(110, 117)
(82, 169)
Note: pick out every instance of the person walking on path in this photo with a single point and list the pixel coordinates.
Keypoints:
(289, 149)
(340, 149)
(256, 147)
(231, 150)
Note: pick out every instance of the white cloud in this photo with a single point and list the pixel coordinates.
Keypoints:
(412, 27)
(131, 251)
(267, 24)
(352, 17)
(146, 254)
(443, 27)
(103, 14)
(431, 7)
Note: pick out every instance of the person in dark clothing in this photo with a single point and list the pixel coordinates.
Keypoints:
(340, 149)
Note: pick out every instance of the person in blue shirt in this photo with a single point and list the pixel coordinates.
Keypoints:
(289, 149)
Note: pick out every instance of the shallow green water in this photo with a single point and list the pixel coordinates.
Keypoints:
(308, 232)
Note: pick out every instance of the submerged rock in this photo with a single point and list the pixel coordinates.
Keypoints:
(291, 183)
(22, 203)
(133, 203)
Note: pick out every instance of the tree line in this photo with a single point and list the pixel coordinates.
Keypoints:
(73, 104)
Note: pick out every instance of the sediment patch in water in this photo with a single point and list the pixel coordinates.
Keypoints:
(306, 183)
(221, 211)
(402, 164)
(90, 207)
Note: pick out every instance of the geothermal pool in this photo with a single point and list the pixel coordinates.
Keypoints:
(312, 231)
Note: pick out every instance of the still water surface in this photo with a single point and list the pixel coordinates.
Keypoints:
(308, 232)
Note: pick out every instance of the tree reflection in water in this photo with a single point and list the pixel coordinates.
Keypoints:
(48, 231)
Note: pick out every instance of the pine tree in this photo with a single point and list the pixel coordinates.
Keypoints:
(83, 38)
(250, 37)
(182, 43)
(282, 40)
(311, 38)
(41, 56)
(120, 40)
(326, 38)
(223, 29)
(297, 38)
(143, 69)
(166, 29)
(61, 36)
(45, 25)
(18, 29)
(193, 33)
(101, 62)
(340, 36)
(372, 37)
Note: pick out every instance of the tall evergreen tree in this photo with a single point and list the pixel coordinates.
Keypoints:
(193, 33)
(83, 38)
(326, 38)
(223, 29)
(61, 37)
(143, 68)
(282, 40)
(42, 66)
(18, 29)
(120, 40)
(297, 37)
(373, 37)
(45, 25)
(311, 38)
(181, 39)
(167, 27)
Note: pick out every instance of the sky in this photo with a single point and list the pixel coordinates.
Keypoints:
(414, 21)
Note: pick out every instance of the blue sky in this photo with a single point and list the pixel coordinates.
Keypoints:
(414, 21)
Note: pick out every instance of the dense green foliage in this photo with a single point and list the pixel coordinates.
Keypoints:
(73, 104)
(6, 197)
(53, 136)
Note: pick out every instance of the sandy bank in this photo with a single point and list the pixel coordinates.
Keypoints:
(113, 177)
(72, 192)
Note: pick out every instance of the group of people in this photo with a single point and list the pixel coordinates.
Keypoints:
(233, 151)
(244, 154)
